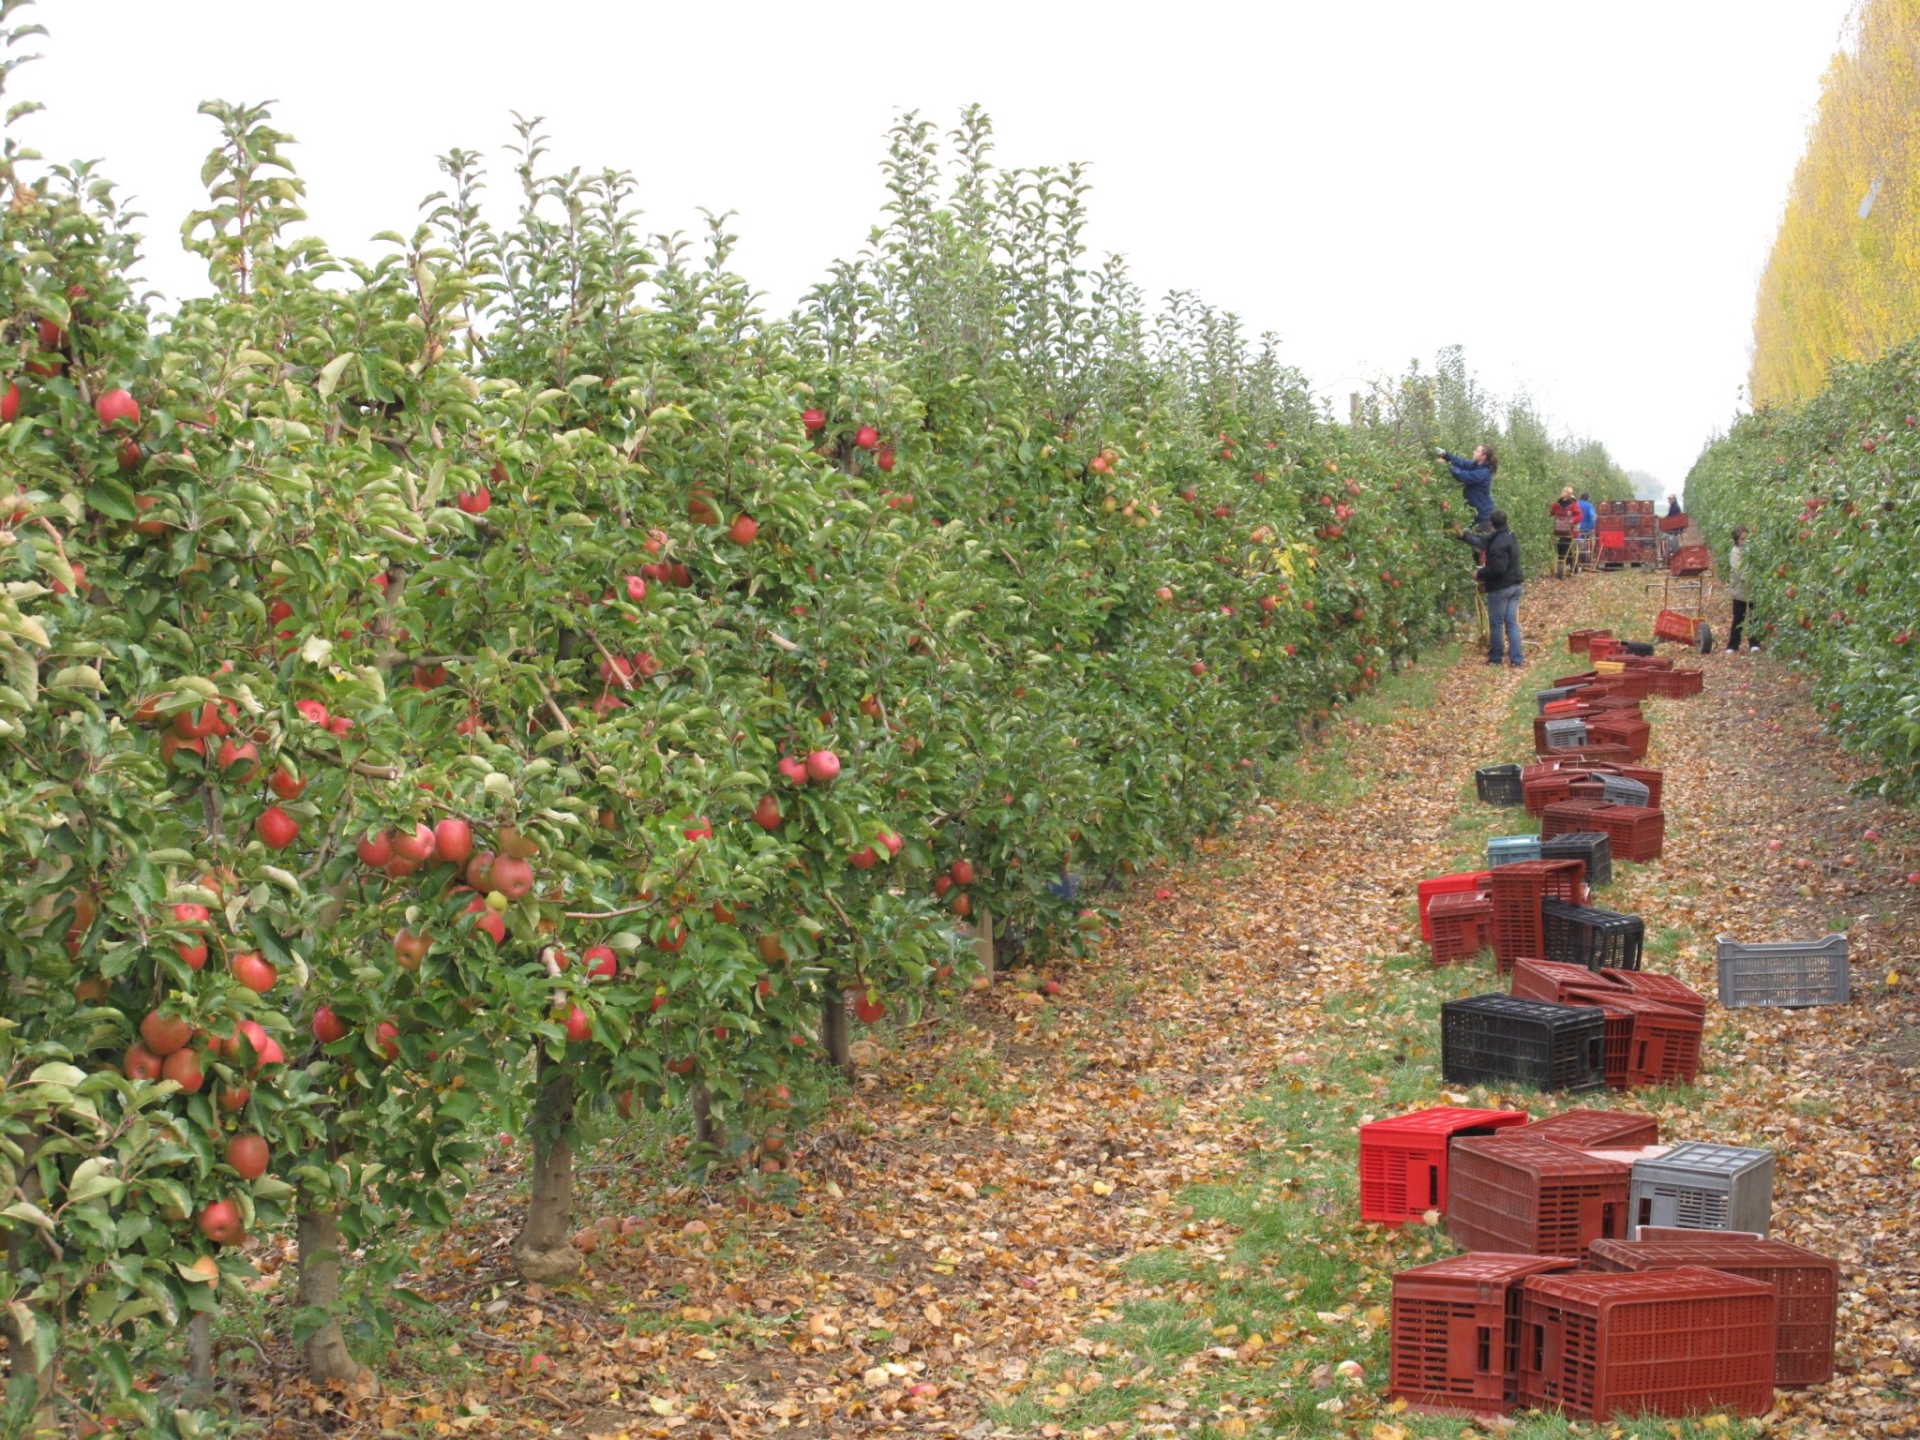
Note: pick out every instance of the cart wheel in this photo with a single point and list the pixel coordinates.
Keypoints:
(1703, 638)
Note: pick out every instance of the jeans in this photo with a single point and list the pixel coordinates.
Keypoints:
(1480, 497)
(1739, 621)
(1503, 618)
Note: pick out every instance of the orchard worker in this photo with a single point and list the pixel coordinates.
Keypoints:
(1566, 527)
(1737, 589)
(1499, 575)
(1589, 523)
(1476, 478)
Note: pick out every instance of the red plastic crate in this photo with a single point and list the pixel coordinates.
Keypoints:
(1635, 832)
(1648, 1043)
(1552, 981)
(1462, 925)
(1587, 785)
(1533, 1196)
(1579, 640)
(1456, 1332)
(1609, 753)
(1518, 890)
(1672, 625)
(1691, 560)
(1574, 682)
(1546, 790)
(1593, 1129)
(1621, 729)
(1664, 988)
(1570, 817)
(1637, 683)
(1808, 1285)
(1403, 1159)
(1688, 1341)
(1561, 709)
(1649, 662)
(1602, 648)
(1679, 684)
(1610, 704)
(1469, 881)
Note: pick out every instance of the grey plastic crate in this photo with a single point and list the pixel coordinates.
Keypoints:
(1785, 973)
(1566, 734)
(1619, 790)
(1547, 697)
(1697, 1186)
(1511, 849)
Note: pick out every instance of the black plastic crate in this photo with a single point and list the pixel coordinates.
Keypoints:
(1499, 785)
(1500, 1040)
(1592, 846)
(1597, 939)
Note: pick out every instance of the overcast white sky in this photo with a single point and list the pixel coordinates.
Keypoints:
(1582, 195)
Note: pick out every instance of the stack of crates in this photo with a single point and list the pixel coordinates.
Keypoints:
(1511, 850)
(1648, 1043)
(1460, 925)
(1807, 1282)
(1403, 1159)
(1578, 641)
(1787, 974)
(1456, 1332)
(1518, 890)
(1499, 1040)
(1533, 1196)
(1699, 1186)
(1687, 1341)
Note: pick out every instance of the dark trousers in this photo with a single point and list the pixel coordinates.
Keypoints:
(1739, 619)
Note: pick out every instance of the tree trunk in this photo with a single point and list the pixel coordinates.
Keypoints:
(200, 1355)
(834, 1034)
(319, 1286)
(706, 1130)
(30, 1391)
(983, 939)
(543, 1252)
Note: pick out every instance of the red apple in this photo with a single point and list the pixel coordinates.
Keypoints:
(183, 1068)
(266, 1050)
(743, 530)
(700, 829)
(601, 963)
(869, 1009)
(893, 842)
(942, 884)
(116, 406)
(313, 711)
(814, 419)
(823, 767)
(375, 851)
(767, 813)
(453, 840)
(328, 1027)
(10, 405)
(141, 1063)
(248, 1155)
(165, 1034)
(417, 846)
(579, 1025)
(253, 971)
(489, 920)
(962, 872)
(386, 1039)
(410, 949)
(475, 502)
(276, 828)
(283, 784)
(511, 877)
(233, 1098)
(220, 1223)
(794, 769)
(244, 757)
(884, 457)
(866, 437)
(1198, 667)
(636, 589)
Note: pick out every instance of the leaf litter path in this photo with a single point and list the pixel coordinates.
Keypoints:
(1024, 1218)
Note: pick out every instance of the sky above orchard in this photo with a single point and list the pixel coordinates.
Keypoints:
(1582, 196)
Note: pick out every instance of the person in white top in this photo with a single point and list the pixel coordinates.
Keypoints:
(1737, 589)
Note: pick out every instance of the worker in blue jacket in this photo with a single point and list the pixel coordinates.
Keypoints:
(1476, 478)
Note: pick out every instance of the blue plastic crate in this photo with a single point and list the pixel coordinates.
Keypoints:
(1511, 849)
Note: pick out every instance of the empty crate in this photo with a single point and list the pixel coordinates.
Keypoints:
(1688, 1341)
(1584, 935)
(1511, 849)
(1590, 847)
(1648, 1043)
(1518, 890)
(1593, 1129)
(1498, 784)
(1456, 1332)
(1638, 833)
(1808, 1285)
(1470, 881)
(1678, 684)
(1533, 1197)
(1499, 1040)
(1698, 1186)
(1461, 925)
(1403, 1159)
(1562, 734)
(1619, 790)
(1546, 697)
(1783, 973)
(1623, 729)
(1570, 816)
(1664, 988)
(1554, 982)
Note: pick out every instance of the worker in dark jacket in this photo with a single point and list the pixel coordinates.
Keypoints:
(1500, 576)
(1476, 478)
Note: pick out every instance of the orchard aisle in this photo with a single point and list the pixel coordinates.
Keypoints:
(1129, 1209)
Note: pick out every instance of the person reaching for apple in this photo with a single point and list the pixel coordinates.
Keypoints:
(1476, 478)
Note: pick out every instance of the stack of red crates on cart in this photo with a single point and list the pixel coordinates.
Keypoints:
(1534, 1196)
(1460, 924)
(1653, 1022)
(1687, 1341)
(1456, 1332)
(1518, 890)
(1808, 1284)
(1403, 1159)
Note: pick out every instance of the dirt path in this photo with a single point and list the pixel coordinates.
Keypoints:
(1129, 1209)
